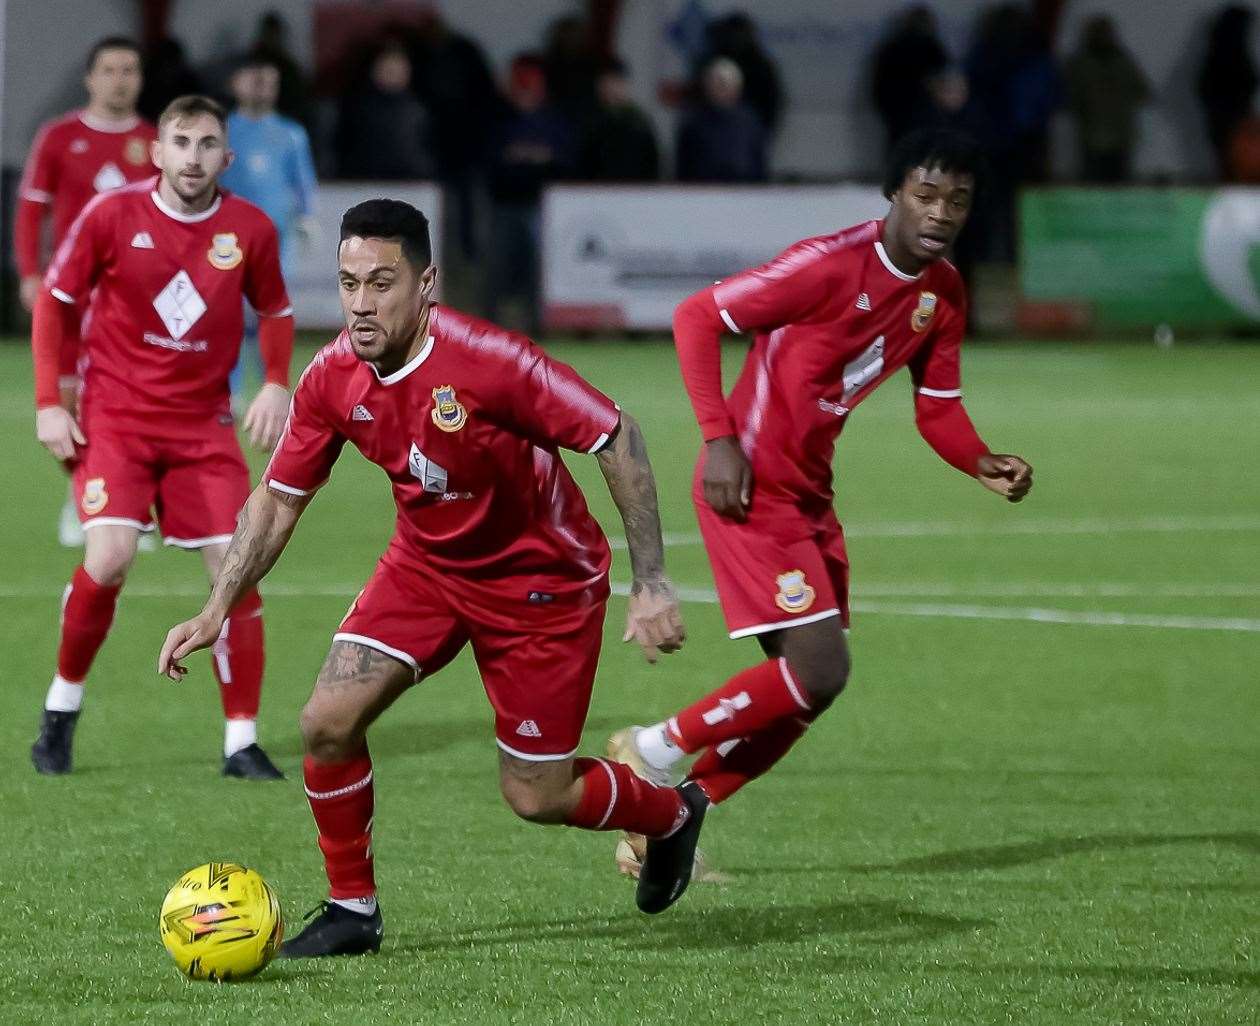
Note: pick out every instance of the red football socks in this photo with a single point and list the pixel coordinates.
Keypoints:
(614, 797)
(86, 613)
(342, 800)
(725, 768)
(748, 702)
(238, 659)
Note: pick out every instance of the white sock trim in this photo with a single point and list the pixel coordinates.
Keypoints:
(238, 734)
(657, 750)
(358, 785)
(612, 798)
(792, 686)
(63, 695)
(360, 906)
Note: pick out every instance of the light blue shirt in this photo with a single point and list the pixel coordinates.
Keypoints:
(273, 168)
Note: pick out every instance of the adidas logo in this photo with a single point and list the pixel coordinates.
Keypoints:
(529, 728)
(142, 240)
(863, 301)
(360, 413)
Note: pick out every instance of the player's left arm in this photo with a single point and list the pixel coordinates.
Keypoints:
(653, 618)
(942, 418)
(265, 290)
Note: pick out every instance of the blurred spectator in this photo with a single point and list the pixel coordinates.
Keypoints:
(452, 79)
(270, 43)
(532, 145)
(1106, 89)
(571, 67)
(721, 140)
(905, 62)
(618, 143)
(167, 74)
(735, 37)
(1227, 80)
(382, 131)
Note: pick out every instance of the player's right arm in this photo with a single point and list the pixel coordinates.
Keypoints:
(263, 529)
(784, 291)
(35, 196)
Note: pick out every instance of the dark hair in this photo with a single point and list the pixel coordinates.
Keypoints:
(941, 148)
(183, 107)
(391, 219)
(112, 43)
(255, 59)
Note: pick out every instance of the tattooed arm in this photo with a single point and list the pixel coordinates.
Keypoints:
(262, 531)
(653, 619)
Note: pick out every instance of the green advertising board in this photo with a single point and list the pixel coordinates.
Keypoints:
(1189, 258)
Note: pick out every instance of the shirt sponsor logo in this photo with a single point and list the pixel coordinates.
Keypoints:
(179, 305)
(142, 240)
(137, 151)
(448, 412)
(108, 177)
(922, 315)
(863, 301)
(177, 345)
(429, 474)
(95, 497)
(224, 253)
(794, 595)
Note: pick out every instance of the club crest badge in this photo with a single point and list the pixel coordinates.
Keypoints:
(794, 595)
(224, 253)
(95, 497)
(137, 151)
(448, 412)
(922, 315)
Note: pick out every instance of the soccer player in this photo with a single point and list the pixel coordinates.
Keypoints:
(832, 318)
(73, 158)
(272, 168)
(493, 547)
(163, 265)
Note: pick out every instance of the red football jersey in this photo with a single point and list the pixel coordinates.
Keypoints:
(468, 433)
(166, 320)
(73, 158)
(833, 318)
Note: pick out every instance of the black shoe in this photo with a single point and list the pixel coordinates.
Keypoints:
(336, 931)
(667, 866)
(251, 763)
(51, 751)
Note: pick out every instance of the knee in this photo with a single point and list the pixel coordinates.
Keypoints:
(531, 802)
(108, 564)
(327, 737)
(824, 677)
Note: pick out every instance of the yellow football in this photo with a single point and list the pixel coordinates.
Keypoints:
(221, 922)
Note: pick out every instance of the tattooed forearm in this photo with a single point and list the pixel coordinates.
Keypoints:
(263, 529)
(633, 489)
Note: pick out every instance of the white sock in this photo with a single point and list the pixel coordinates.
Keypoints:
(657, 749)
(363, 906)
(238, 734)
(63, 695)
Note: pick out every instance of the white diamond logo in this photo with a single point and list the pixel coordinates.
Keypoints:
(179, 305)
(142, 240)
(361, 412)
(108, 177)
(425, 470)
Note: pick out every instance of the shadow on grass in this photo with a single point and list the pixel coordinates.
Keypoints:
(1004, 856)
(882, 922)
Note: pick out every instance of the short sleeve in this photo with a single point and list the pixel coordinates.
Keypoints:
(936, 367)
(264, 281)
(82, 255)
(550, 403)
(39, 176)
(310, 444)
(787, 290)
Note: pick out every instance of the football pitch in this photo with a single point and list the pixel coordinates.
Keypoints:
(1038, 802)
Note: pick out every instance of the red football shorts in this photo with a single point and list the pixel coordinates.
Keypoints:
(193, 488)
(537, 660)
(780, 568)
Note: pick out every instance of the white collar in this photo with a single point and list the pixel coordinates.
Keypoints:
(406, 368)
(892, 268)
(106, 124)
(174, 214)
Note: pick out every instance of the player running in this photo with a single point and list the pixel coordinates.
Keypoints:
(494, 547)
(74, 157)
(165, 262)
(832, 318)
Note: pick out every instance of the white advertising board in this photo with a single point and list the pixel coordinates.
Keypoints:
(312, 272)
(625, 256)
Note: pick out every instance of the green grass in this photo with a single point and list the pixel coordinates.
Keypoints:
(1001, 821)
